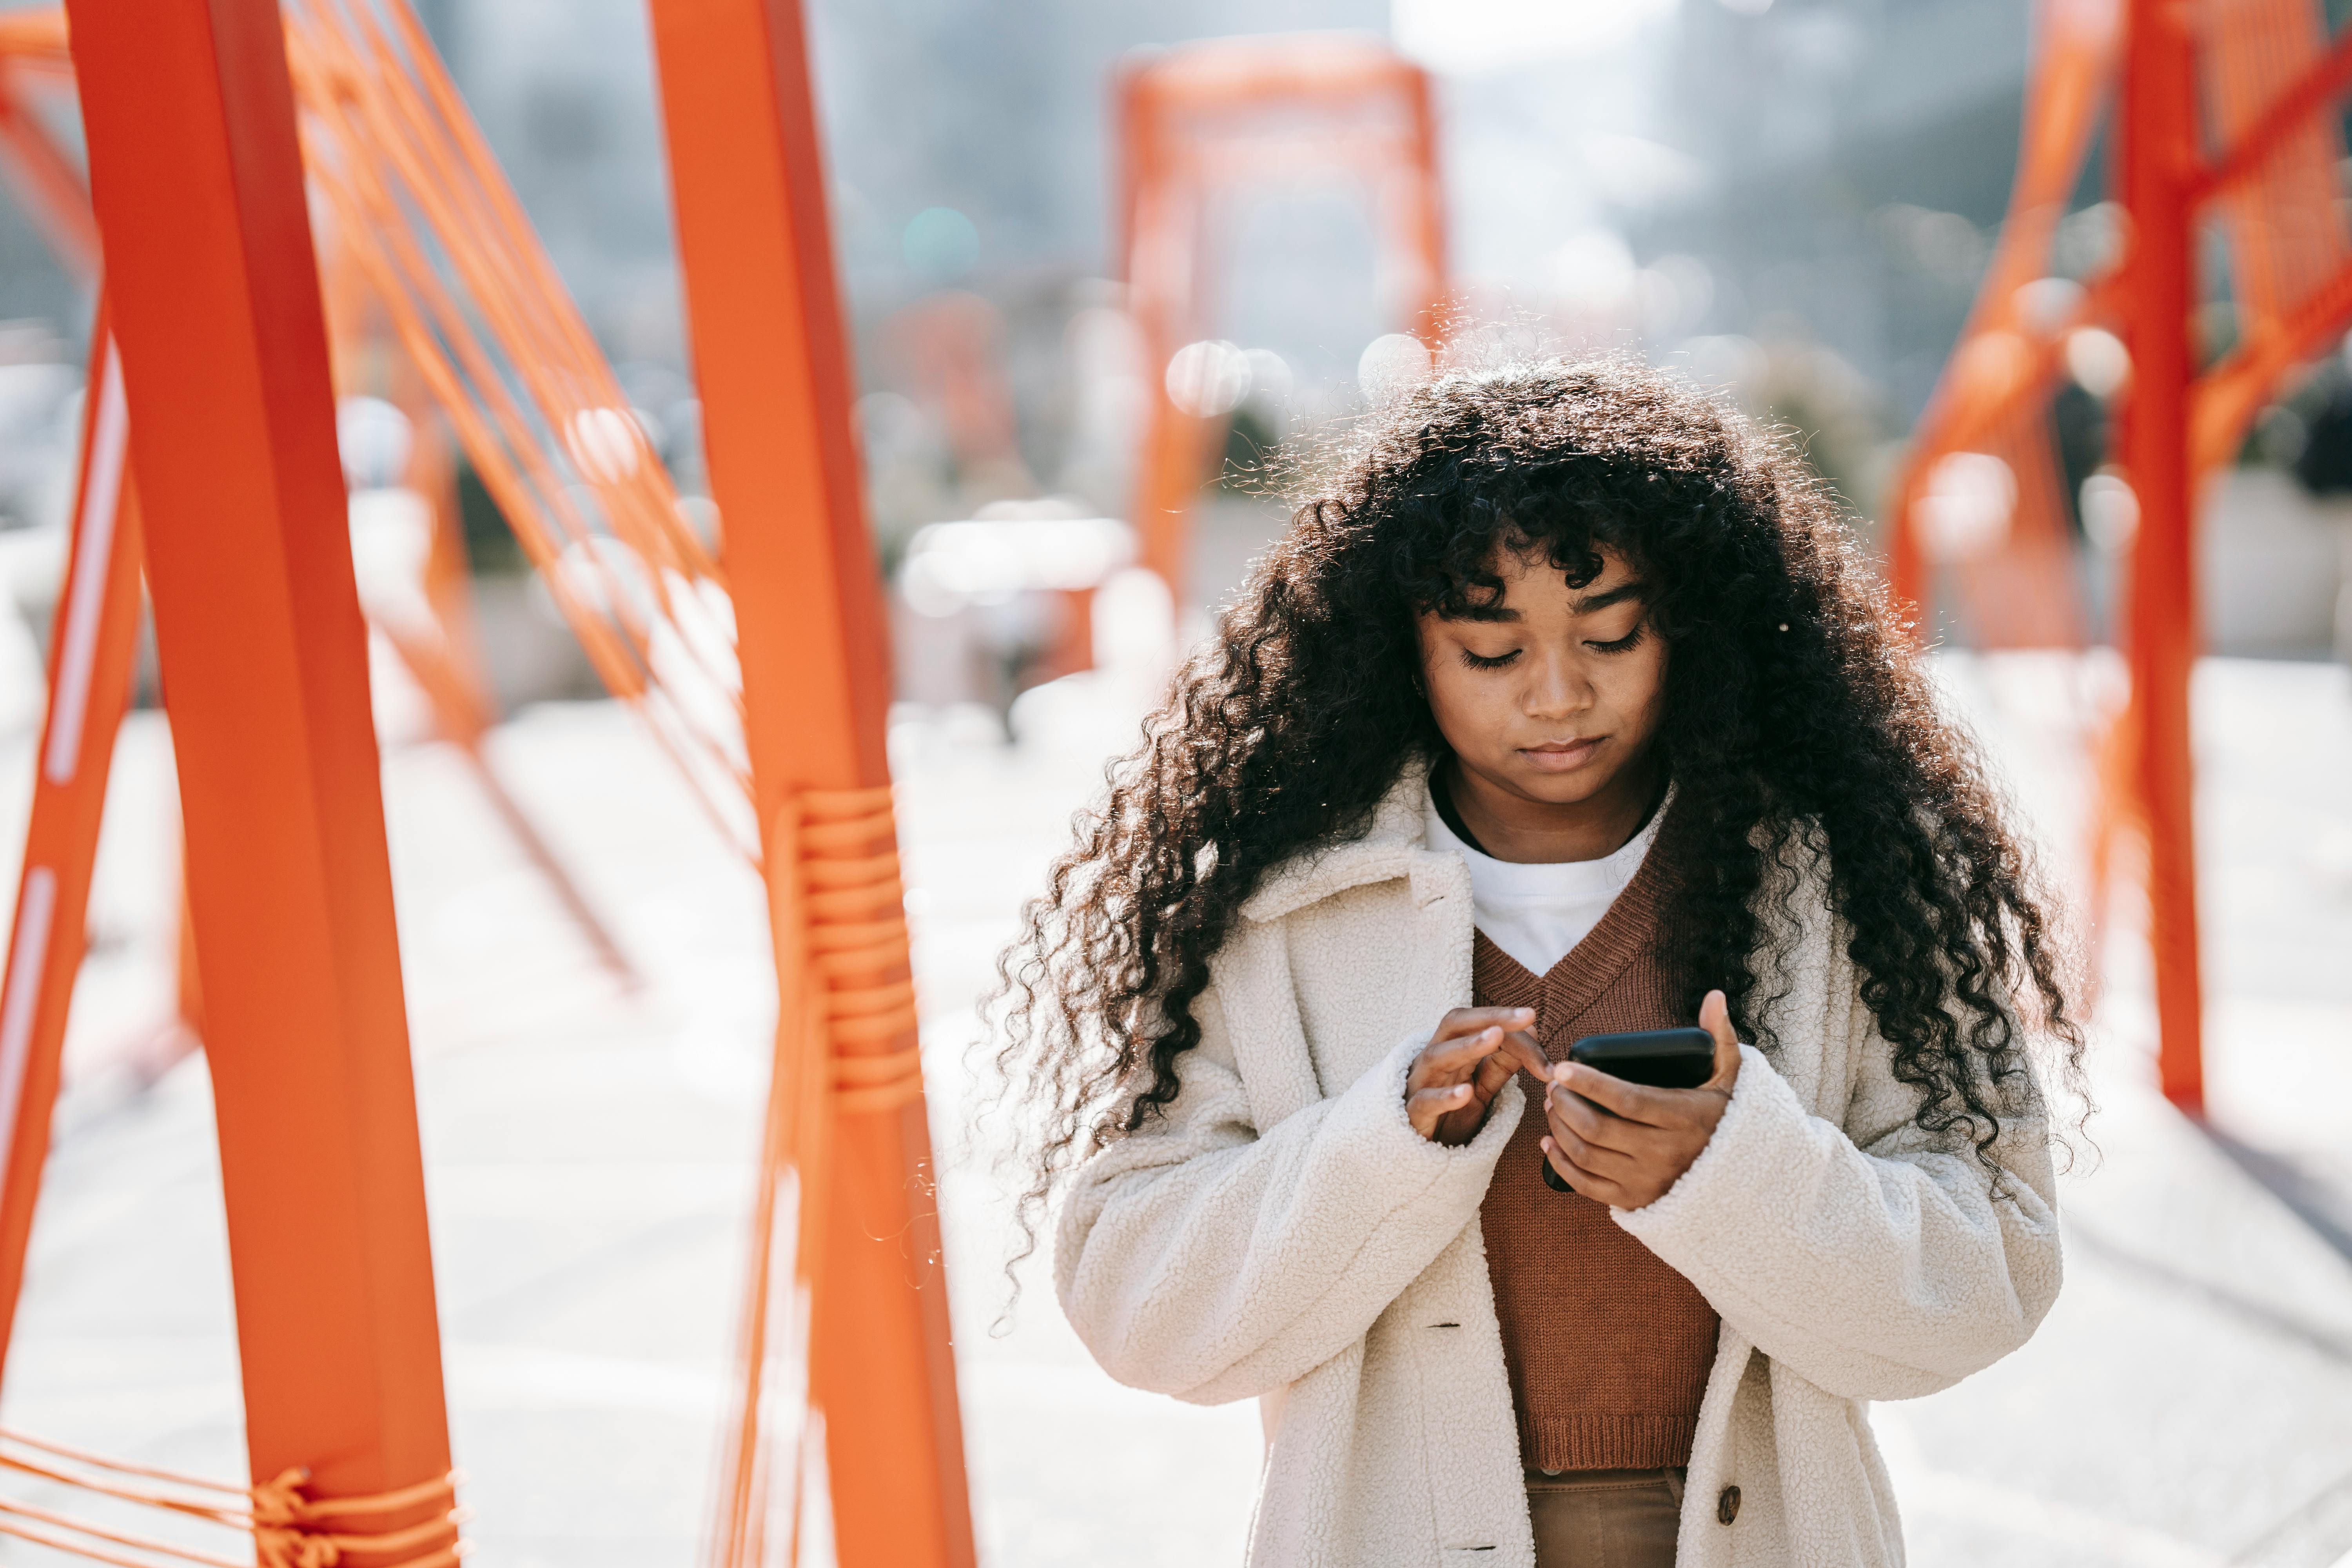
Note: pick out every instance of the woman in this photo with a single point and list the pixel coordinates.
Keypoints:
(1566, 708)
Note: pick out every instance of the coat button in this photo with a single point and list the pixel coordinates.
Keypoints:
(1726, 1507)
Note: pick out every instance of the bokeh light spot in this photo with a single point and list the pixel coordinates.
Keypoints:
(940, 243)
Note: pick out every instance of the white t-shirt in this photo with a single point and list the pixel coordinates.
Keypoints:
(1538, 913)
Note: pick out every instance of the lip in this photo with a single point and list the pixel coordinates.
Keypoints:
(1562, 756)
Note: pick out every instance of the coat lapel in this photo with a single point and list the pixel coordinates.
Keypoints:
(1390, 848)
(1283, 1070)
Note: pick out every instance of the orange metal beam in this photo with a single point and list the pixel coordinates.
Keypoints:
(2156, 156)
(1979, 391)
(1168, 103)
(91, 648)
(2227, 397)
(2320, 87)
(198, 187)
(770, 356)
(1423, 221)
(2175, 429)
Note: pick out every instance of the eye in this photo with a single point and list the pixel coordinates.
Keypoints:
(1623, 644)
(1477, 661)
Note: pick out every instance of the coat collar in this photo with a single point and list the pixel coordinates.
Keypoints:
(1391, 848)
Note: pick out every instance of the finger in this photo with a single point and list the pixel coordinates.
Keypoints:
(1715, 1017)
(1496, 1070)
(1444, 1062)
(1574, 1116)
(1524, 1053)
(1633, 1101)
(1453, 1060)
(1583, 1150)
(1429, 1107)
(1588, 1182)
(1472, 1020)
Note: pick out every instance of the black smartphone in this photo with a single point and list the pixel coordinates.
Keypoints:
(1663, 1058)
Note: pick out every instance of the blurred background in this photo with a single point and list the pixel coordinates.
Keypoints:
(1793, 201)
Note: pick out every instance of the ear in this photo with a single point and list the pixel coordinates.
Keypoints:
(1715, 1017)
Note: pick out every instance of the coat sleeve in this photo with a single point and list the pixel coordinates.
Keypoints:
(1206, 1257)
(1869, 1259)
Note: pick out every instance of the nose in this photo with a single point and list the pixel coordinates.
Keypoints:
(1557, 687)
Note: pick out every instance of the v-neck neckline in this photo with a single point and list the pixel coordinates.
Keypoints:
(1569, 987)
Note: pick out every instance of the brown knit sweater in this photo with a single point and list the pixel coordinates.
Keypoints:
(1608, 1348)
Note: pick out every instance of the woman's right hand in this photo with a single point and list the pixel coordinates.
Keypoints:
(1465, 1064)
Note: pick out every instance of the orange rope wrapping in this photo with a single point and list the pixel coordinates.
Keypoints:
(855, 937)
(845, 1046)
(288, 1528)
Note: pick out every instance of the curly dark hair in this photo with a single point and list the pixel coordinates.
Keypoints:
(1796, 703)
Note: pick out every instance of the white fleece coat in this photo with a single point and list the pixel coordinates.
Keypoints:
(1283, 1234)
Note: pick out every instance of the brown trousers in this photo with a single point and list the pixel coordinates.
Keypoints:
(1605, 1518)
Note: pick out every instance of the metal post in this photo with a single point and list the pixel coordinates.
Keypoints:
(2157, 162)
(772, 364)
(1158, 211)
(198, 187)
(1425, 235)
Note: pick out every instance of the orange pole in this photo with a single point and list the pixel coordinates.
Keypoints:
(1166, 181)
(1906, 574)
(748, 180)
(91, 648)
(1155, 229)
(1426, 232)
(198, 186)
(2158, 157)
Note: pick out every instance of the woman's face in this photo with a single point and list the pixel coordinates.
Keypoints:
(1552, 693)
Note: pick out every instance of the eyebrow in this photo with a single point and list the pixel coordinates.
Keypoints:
(1585, 604)
(1496, 612)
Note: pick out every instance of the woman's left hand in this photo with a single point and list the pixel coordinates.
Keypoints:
(1625, 1144)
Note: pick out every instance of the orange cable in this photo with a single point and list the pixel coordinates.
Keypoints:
(379, 221)
(428, 74)
(83, 1456)
(76, 1548)
(526, 309)
(653, 544)
(371, 211)
(520, 297)
(217, 1513)
(619, 674)
(102, 1532)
